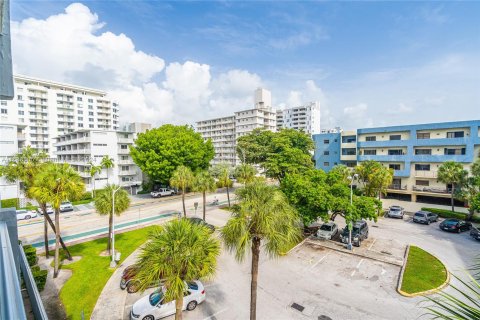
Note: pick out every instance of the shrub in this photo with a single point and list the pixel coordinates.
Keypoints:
(31, 253)
(86, 196)
(450, 214)
(40, 277)
(8, 203)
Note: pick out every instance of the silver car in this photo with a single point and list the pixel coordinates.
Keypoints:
(327, 231)
(66, 206)
(425, 217)
(395, 212)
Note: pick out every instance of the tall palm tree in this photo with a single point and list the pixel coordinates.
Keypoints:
(55, 184)
(204, 183)
(182, 179)
(262, 217)
(222, 173)
(451, 172)
(103, 205)
(93, 172)
(107, 163)
(245, 173)
(177, 252)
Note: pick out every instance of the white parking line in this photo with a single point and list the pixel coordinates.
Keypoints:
(370, 247)
(216, 313)
(356, 268)
(320, 260)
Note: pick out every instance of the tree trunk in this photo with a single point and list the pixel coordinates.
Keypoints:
(451, 198)
(93, 191)
(183, 203)
(228, 197)
(470, 214)
(57, 242)
(109, 242)
(204, 204)
(253, 287)
(45, 231)
(178, 308)
(50, 222)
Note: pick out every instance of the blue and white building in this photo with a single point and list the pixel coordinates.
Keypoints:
(414, 152)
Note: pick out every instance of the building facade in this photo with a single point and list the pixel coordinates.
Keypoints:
(85, 147)
(305, 118)
(414, 152)
(225, 131)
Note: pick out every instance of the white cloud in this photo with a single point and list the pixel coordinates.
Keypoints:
(356, 116)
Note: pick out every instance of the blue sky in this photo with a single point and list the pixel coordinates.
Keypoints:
(369, 63)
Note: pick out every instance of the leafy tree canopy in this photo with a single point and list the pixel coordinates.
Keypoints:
(279, 153)
(158, 152)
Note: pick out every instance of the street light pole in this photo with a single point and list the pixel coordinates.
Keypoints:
(351, 178)
(113, 264)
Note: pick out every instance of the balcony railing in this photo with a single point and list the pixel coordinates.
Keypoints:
(425, 174)
(397, 187)
(430, 189)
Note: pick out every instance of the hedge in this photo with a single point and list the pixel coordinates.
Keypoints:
(40, 277)
(8, 203)
(450, 214)
(31, 253)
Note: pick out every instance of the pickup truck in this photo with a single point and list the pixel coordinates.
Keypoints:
(162, 192)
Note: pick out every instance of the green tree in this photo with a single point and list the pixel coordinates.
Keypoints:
(451, 172)
(55, 184)
(262, 217)
(366, 173)
(107, 163)
(158, 152)
(182, 179)
(470, 190)
(204, 182)
(178, 252)
(104, 206)
(279, 153)
(222, 173)
(340, 173)
(93, 172)
(245, 173)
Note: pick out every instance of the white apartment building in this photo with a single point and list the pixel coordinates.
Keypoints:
(43, 110)
(225, 131)
(11, 137)
(81, 147)
(305, 118)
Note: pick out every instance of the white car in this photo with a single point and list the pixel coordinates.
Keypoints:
(66, 206)
(25, 214)
(395, 212)
(154, 306)
(162, 192)
(49, 210)
(327, 231)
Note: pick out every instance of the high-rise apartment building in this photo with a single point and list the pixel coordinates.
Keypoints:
(414, 152)
(225, 131)
(42, 110)
(305, 118)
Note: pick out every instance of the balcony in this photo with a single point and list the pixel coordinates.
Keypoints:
(130, 183)
(425, 174)
(383, 158)
(125, 140)
(124, 151)
(431, 189)
(71, 151)
(397, 187)
(129, 161)
(127, 173)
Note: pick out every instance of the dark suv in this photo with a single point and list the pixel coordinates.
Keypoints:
(359, 233)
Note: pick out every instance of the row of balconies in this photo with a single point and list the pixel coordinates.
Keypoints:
(418, 188)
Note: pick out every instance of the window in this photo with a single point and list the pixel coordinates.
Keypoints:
(123, 147)
(423, 151)
(394, 166)
(90, 107)
(80, 125)
(19, 98)
(20, 104)
(326, 153)
(90, 113)
(21, 113)
(395, 152)
(423, 135)
(349, 139)
(4, 103)
(460, 151)
(91, 120)
(455, 134)
(125, 168)
(326, 141)
(90, 125)
(80, 112)
(422, 182)
(371, 138)
(90, 100)
(326, 164)
(80, 118)
(395, 137)
(422, 167)
(370, 152)
(79, 98)
(349, 151)
(3, 111)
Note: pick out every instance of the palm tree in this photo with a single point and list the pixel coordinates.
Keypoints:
(451, 172)
(177, 252)
(262, 217)
(55, 184)
(103, 205)
(182, 179)
(93, 171)
(204, 183)
(245, 173)
(107, 163)
(222, 173)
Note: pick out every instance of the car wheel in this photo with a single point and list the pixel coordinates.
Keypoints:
(191, 305)
(366, 235)
(428, 221)
(149, 317)
(27, 217)
(131, 288)
(458, 230)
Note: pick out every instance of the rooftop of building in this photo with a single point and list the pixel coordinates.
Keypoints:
(44, 82)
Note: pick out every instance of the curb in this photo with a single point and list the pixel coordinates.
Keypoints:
(422, 293)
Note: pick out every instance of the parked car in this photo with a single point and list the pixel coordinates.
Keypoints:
(395, 212)
(66, 206)
(455, 225)
(155, 306)
(23, 214)
(327, 231)
(475, 233)
(359, 233)
(202, 222)
(162, 192)
(49, 210)
(425, 217)
(128, 280)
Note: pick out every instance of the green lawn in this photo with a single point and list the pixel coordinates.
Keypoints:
(423, 272)
(91, 273)
(81, 202)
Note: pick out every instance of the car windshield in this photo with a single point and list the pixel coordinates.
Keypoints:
(21, 211)
(450, 222)
(155, 298)
(419, 214)
(395, 209)
(326, 227)
(192, 286)
(66, 202)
